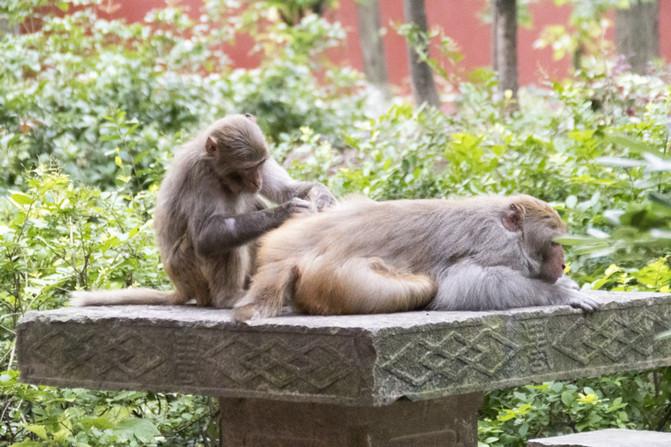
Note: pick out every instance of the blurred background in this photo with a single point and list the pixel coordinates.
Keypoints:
(542, 49)
(567, 100)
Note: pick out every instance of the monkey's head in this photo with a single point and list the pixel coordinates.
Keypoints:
(237, 149)
(538, 225)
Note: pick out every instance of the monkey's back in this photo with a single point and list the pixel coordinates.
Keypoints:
(403, 231)
(418, 235)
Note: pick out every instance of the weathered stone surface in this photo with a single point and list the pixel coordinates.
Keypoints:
(448, 421)
(606, 438)
(355, 360)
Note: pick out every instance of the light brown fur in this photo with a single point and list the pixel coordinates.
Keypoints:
(371, 257)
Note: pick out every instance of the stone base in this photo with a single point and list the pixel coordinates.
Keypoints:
(448, 422)
(606, 438)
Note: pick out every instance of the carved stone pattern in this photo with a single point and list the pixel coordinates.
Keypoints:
(451, 356)
(611, 337)
(277, 363)
(126, 353)
(539, 358)
(186, 361)
(493, 352)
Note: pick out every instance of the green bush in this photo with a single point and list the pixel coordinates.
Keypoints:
(91, 109)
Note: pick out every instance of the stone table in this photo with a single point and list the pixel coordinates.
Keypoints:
(406, 379)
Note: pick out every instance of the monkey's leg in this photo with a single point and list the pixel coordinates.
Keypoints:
(468, 286)
(359, 286)
(226, 277)
(272, 286)
(182, 268)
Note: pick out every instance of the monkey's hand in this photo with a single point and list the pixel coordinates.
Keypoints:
(298, 206)
(320, 196)
(565, 281)
(581, 301)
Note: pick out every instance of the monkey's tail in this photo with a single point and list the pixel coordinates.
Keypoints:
(360, 286)
(122, 296)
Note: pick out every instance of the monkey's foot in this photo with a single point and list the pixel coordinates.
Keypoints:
(245, 312)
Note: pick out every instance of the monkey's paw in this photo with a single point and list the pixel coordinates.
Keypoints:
(565, 281)
(298, 206)
(321, 197)
(245, 313)
(582, 301)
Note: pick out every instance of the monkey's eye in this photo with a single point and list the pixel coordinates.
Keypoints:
(554, 244)
(250, 116)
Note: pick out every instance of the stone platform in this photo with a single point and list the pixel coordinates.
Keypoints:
(365, 369)
(606, 438)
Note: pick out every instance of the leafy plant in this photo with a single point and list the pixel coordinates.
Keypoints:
(91, 109)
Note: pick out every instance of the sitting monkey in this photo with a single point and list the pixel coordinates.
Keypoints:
(209, 213)
(363, 256)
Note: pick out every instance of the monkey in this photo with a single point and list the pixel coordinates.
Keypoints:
(475, 254)
(209, 212)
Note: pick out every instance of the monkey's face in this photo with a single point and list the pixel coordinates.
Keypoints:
(247, 178)
(238, 150)
(553, 265)
(539, 234)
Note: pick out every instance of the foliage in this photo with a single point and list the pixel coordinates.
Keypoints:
(88, 92)
(91, 109)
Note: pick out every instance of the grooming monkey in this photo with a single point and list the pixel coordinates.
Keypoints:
(209, 212)
(372, 257)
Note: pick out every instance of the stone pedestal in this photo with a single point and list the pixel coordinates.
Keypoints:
(606, 438)
(446, 422)
(399, 379)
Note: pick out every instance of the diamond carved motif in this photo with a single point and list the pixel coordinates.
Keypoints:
(278, 364)
(613, 338)
(453, 356)
(128, 353)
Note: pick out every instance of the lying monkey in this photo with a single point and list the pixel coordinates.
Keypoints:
(372, 257)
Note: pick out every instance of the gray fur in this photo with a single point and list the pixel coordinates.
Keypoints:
(207, 220)
(464, 246)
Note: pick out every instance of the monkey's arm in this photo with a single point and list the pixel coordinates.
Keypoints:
(468, 286)
(220, 233)
(279, 187)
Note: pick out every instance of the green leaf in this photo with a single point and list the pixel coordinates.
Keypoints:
(143, 429)
(39, 430)
(567, 398)
(21, 198)
(634, 144)
(660, 199)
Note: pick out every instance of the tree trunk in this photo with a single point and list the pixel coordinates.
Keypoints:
(637, 33)
(495, 41)
(505, 32)
(423, 85)
(374, 63)
(6, 27)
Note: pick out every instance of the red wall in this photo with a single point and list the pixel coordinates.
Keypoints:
(458, 18)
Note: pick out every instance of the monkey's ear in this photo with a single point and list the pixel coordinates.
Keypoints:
(211, 145)
(513, 217)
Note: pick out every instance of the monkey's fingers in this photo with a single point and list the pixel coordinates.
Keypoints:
(584, 302)
(300, 206)
(321, 197)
